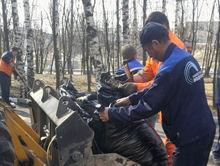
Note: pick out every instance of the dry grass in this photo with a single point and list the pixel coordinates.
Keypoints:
(209, 94)
(80, 82)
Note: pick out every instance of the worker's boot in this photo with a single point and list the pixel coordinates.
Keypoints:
(12, 105)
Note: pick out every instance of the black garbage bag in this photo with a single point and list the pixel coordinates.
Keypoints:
(67, 89)
(107, 93)
(136, 141)
(107, 90)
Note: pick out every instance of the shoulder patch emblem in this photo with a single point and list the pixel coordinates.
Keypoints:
(194, 78)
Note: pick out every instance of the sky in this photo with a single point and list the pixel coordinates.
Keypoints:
(42, 6)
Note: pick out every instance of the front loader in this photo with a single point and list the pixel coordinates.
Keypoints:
(60, 137)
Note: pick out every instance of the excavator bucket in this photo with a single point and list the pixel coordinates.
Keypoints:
(68, 138)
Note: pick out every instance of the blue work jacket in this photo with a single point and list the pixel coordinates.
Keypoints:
(178, 91)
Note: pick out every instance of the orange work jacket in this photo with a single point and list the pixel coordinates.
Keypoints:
(5, 65)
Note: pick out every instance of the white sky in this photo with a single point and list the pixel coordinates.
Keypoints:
(153, 5)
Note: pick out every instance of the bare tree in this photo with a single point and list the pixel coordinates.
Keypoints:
(217, 56)
(5, 22)
(135, 25)
(63, 35)
(125, 17)
(144, 19)
(195, 17)
(29, 48)
(164, 6)
(177, 16)
(55, 24)
(1, 38)
(92, 39)
(208, 55)
(18, 43)
(182, 27)
(71, 42)
(118, 34)
(106, 36)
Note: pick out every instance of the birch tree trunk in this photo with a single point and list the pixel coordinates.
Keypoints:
(1, 37)
(29, 48)
(118, 34)
(182, 28)
(177, 17)
(55, 24)
(18, 43)
(106, 36)
(92, 38)
(36, 50)
(144, 19)
(5, 22)
(41, 45)
(208, 56)
(125, 17)
(63, 41)
(217, 56)
(135, 25)
(71, 41)
(164, 6)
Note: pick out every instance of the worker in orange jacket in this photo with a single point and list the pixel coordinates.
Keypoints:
(145, 78)
(6, 68)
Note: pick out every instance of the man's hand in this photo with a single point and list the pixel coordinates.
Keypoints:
(123, 102)
(128, 88)
(138, 78)
(130, 79)
(104, 115)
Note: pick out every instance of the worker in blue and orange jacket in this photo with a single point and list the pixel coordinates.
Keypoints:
(178, 91)
(6, 68)
(146, 76)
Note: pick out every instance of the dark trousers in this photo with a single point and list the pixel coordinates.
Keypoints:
(5, 83)
(216, 151)
(195, 153)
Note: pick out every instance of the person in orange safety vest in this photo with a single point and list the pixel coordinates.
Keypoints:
(6, 68)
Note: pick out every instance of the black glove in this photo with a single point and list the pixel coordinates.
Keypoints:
(128, 88)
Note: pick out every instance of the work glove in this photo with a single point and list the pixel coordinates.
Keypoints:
(83, 98)
(128, 88)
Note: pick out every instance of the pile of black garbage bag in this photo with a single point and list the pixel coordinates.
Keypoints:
(135, 140)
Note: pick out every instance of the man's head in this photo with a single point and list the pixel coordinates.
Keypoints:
(188, 46)
(154, 40)
(15, 51)
(128, 52)
(158, 17)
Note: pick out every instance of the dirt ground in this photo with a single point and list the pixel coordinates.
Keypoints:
(80, 82)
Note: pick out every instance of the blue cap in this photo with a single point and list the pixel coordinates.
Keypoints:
(152, 31)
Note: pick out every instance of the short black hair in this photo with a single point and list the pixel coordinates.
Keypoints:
(15, 49)
(158, 17)
(153, 31)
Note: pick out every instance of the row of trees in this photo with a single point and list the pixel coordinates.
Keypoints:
(76, 30)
